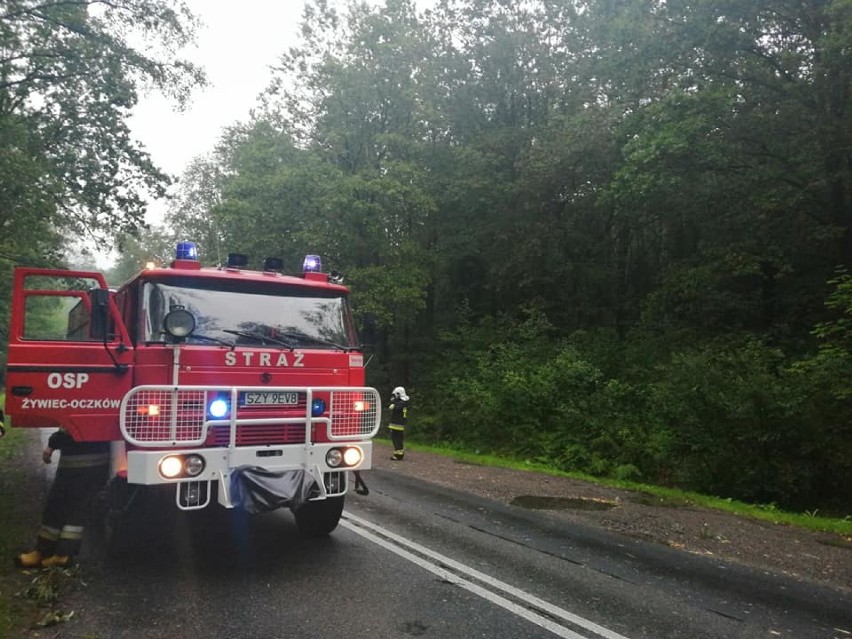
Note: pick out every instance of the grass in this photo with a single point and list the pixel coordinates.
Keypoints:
(658, 495)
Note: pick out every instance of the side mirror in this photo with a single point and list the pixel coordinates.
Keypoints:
(99, 325)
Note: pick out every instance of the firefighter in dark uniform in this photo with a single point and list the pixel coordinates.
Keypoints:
(82, 471)
(398, 418)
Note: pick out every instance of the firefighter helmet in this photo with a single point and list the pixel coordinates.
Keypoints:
(399, 392)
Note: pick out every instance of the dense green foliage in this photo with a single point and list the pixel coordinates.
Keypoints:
(605, 235)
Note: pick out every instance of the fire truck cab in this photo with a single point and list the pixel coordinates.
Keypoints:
(219, 384)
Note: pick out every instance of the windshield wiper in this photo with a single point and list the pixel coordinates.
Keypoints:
(207, 338)
(263, 339)
(317, 340)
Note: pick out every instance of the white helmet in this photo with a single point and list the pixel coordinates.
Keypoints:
(399, 391)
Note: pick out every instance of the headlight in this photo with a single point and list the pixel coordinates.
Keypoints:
(171, 467)
(334, 457)
(193, 465)
(352, 456)
(177, 466)
(344, 457)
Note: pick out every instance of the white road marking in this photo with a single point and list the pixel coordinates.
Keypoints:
(397, 544)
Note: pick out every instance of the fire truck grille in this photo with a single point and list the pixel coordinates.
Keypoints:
(352, 413)
(257, 435)
(165, 415)
(204, 416)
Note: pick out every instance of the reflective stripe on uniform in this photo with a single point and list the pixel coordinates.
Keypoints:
(71, 532)
(84, 461)
(49, 533)
(395, 427)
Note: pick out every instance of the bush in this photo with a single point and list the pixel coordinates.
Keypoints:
(733, 417)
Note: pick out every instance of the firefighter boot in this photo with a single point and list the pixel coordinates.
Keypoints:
(30, 559)
(360, 486)
(56, 561)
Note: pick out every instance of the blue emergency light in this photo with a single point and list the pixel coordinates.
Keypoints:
(186, 251)
(312, 264)
(317, 407)
(218, 408)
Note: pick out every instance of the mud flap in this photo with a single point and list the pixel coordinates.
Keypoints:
(257, 490)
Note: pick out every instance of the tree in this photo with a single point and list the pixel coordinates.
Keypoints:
(732, 151)
(155, 245)
(662, 185)
(70, 73)
(198, 192)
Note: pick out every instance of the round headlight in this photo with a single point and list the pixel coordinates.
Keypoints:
(179, 323)
(334, 458)
(170, 467)
(193, 465)
(352, 456)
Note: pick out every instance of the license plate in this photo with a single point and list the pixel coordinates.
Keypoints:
(269, 398)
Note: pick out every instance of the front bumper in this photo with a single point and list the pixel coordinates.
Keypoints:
(221, 464)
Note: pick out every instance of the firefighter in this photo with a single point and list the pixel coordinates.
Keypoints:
(398, 418)
(81, 472)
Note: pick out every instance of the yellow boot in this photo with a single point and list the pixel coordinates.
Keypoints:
(30, 559)
(56, 561)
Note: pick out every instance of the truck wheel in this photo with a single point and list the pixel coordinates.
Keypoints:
(116, 522)
(116, 532)
(136, 517)
(319, 518)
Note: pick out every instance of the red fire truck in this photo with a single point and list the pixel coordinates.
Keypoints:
(221, 385)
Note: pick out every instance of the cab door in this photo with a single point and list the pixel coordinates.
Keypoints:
(69, 361)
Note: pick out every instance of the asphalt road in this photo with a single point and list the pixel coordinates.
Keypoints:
(412, 559)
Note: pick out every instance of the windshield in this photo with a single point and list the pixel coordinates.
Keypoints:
(240, 313)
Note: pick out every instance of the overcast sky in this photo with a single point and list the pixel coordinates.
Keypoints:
(237, 44)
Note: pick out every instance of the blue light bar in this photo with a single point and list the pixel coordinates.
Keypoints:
(186, 251)
(312, 264)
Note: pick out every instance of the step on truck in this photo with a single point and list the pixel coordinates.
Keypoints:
(221, 385)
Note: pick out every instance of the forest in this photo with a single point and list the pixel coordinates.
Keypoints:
(610, 236)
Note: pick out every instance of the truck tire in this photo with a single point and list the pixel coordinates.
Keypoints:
(117, 531)
(133, 517)
(319, 518)
(115, 518)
